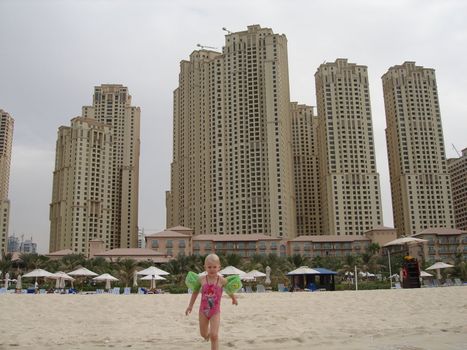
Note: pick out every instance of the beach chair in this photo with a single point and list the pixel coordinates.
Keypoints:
(260, 289)
(248, 289)
(457, 282)
(397, 285)
(448, 283)
(127, 291)
(428, 283)
(116, 290)
(280, 287)
(42, 291)
(2, 290)
(436, 283)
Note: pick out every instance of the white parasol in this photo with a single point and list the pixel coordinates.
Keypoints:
(153, 279)
(405, 240)
(303, 270)
(438, 266)
(82, 272)
(107, 278)
(231, 270)
(153, 271)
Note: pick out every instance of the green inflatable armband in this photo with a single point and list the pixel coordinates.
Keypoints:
(192, 281)
(233, 284)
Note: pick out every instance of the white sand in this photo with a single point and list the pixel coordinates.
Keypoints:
(433, 318)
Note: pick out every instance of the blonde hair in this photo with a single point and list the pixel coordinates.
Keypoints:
(212, 257)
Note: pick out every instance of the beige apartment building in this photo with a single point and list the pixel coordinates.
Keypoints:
(443, 244)
(328, 245)
(232, 170)
(457, 168)
(95, 189)
(181, 241)
(306, 172)
(420, 182)
(349, 182)
(6, 140)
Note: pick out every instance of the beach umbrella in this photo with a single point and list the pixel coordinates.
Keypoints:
(18, 282)
(252, 275)
(39, 273)
(438, 266)
(303, 270)
(7, 279)
(61, 277)
(268, 275)
(405, 240)
(231, 270)
(153, 279)
(425, 274)
(107, 278)
(153, 271)
(82, 272)
(135, 280)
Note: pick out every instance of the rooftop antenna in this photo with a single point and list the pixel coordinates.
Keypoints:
(226, 30)
(455, 149)
(206, 47)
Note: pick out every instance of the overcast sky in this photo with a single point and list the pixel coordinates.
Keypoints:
(53, 53)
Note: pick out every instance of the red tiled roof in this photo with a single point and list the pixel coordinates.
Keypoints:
(61, 252)
(236, 238)
(440, 231)
(330, 238)
(168, 233)
(130, 252)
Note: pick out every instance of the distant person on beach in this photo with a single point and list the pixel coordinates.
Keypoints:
(211, 287)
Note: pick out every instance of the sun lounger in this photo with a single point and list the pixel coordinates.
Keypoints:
(457, 282)
(436, 283)
(116, 290)
(248, 289)
(427, 283)
(448, 283)
(127, 291)
(280, 287)
(2, 290)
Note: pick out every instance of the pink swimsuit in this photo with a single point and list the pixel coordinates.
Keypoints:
(211, 295)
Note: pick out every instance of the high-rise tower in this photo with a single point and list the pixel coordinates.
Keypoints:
(95, 191)
(232, 157)
(349, 182)
(420, 183)
(306, 171)
(457, 168)
(6, 140)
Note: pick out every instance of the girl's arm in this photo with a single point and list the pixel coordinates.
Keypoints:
(192, 302)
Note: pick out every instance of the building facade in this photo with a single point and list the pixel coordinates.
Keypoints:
(420, 182)
(95, 188)
(349, 182)
(80, 208)
(306, 172)
(6, 140)
(443, 244)
(457, 168)
(232, 167)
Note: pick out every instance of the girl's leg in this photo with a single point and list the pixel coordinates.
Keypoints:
(214, 324)
(204, 326)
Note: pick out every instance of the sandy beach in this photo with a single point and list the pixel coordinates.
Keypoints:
(433, 318)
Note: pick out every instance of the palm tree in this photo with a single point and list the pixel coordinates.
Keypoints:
(6, 262)
(71, 262)
(298, 260)
(126, 269)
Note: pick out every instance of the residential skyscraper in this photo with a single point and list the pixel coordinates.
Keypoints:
(6, 140)
(457, 168)
(349, 182)
(306, 171)
(420, 182)
(95, 190)
(232, 169)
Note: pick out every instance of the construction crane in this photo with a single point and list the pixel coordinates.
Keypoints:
(455, 149)
(206, 47)
(226, 30)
